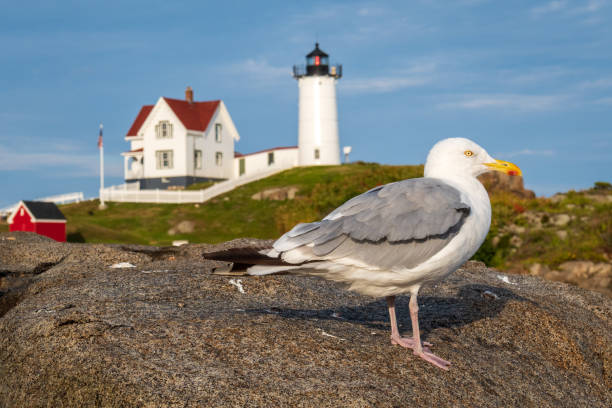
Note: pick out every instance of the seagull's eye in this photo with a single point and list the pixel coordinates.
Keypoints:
(468, 153)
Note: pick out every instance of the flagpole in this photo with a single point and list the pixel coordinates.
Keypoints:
(101, 148)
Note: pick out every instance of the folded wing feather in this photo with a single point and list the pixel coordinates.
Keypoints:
(400, 224)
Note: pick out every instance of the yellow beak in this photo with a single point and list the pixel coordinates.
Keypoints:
(505, 167)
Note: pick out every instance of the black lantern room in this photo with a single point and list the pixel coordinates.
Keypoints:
(317, 64)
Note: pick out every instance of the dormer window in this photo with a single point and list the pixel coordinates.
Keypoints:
(163, 130)
(218, 132)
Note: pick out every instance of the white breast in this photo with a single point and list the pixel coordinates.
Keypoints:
(465, 244)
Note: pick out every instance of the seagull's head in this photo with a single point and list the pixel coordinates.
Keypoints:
(457, 156)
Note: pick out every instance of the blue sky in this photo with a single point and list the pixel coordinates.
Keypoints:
(529, 80)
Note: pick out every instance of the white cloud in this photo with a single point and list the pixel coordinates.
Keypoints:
(592, 6)
(369, 11)
(581, 8)
(80, 164)
(597, 83)
(61, 42)
(320, 14)
(351, 24)
(548, 8)
(604, 101)
(380, 84)
(425, 66)
(415, 74)
(471, 2)
(260, 68)
(528, 152)
(535, 75)
(256, 73)
(591, 12)
(592, 20)
(506, 101)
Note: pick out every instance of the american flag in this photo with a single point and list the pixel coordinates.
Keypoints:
(100, 137)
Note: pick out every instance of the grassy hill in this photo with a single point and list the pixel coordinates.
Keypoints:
(566, 227)
(234, 214)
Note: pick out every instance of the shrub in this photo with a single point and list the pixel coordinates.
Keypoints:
(602, 185)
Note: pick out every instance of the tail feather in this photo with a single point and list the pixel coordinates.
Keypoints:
(259, 270)
(255, 261)
(247, 256)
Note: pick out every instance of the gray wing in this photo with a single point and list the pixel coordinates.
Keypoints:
(398, 224)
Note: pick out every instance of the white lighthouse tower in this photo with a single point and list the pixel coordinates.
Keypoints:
(318, 113)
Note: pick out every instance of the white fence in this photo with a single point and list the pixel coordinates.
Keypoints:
(126, 193)
(63, 198)
(57, 199)
(124, 187)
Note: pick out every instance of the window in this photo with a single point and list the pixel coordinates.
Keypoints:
(163, 130)
(219, 159)
(164, 159)
(317, 60)
(242, 167)
(270, 158)
(197, 159)
(317, 154)
(218, 132)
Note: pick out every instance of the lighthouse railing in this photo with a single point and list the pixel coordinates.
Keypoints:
(334, 71)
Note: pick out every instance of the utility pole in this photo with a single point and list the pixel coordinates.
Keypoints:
(101, 148)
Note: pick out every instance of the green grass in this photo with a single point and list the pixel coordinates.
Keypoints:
(589, 232)
(200, 186)
(234, 214)
(323, 188)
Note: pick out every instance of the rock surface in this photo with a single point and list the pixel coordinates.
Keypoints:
(586, 274)
(496, 181)
(277, 193)
(169, 333)
(183, 227)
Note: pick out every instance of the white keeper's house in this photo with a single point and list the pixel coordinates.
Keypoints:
(181, 142)
(178, 142)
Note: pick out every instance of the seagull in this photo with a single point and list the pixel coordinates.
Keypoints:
(395, 238)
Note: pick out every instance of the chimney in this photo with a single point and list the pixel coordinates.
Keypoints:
(189, 94)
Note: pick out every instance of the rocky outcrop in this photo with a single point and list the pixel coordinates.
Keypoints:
(277, 193)
(586, 274)
(168, 332)
(601, 197)
(183, 227)
(500, 182)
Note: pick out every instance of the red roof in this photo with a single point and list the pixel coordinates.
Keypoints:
(238, 154)
(194, 116)
(135, 150)
(142, 115)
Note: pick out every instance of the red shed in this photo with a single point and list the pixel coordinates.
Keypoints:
(40, 217)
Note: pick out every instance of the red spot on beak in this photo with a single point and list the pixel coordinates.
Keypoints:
(513, 173)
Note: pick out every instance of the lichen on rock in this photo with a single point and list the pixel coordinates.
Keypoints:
(170, 333)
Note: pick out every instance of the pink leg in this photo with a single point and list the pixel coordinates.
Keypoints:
(396, 338)
(414, 343)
